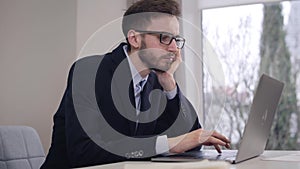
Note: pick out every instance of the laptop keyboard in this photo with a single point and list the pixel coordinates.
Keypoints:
(225, 155)
(211, 155)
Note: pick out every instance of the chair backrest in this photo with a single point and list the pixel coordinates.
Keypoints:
(20, 148)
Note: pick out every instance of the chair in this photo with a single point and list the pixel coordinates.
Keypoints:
(20, 148)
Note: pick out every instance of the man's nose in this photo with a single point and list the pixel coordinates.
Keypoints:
(173, 45)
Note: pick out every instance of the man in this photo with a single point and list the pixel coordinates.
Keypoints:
(126, 105)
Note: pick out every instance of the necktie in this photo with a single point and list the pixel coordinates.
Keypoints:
(138, 95)
(141, 94)
(145, 104)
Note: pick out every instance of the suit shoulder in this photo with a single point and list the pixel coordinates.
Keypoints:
(88, 59)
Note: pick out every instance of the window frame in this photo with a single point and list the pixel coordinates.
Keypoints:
(207, 4)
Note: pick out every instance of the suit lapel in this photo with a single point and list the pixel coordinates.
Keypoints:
(122, 90)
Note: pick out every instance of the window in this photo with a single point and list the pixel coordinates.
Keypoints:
(250, 40)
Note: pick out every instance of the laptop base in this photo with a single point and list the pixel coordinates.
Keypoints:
(226, 155)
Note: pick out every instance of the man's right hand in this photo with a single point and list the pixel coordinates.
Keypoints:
(196, 138)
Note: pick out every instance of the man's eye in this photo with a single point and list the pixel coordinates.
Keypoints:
(166, 38)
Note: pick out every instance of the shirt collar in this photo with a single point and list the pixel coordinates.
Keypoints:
(136, 77)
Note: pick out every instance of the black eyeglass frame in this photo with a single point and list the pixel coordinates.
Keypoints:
(180, 41)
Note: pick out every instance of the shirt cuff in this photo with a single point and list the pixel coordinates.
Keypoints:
(171, 94)
(162, 145)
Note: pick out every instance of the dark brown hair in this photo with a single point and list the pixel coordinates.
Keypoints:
(139, 14)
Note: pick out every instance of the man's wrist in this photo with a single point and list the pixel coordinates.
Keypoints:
(171, 94)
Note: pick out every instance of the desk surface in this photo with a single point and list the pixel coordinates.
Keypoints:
(255, 163)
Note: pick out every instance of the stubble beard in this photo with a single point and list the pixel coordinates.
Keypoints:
(151, 62)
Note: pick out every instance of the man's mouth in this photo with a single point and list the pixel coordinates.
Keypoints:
(170, 57)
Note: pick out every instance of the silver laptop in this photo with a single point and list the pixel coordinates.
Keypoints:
(256, 131)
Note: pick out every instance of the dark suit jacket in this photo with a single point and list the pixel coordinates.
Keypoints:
(95, 122)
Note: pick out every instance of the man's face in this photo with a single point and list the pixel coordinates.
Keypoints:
(153, 53)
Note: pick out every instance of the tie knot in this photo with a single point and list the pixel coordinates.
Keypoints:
(142, 82)
(139, 86)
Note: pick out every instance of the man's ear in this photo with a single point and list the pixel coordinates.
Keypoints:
(133, 39)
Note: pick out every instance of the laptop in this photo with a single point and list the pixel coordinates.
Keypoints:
(256, 132)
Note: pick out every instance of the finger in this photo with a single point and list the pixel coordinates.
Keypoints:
(178, 56)
(220, 136)
(175, 64)
(217, 147)
(216, 141)
(214, 138)
(228, 146)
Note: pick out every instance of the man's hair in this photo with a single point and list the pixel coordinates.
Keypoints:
(139, 14)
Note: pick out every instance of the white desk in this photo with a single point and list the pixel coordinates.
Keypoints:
(255, 163)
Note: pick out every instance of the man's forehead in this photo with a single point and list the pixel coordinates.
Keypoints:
(165, 24)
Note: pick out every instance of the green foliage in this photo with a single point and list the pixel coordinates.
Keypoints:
(275, 61)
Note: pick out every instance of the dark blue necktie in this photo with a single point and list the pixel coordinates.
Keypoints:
(144, 106)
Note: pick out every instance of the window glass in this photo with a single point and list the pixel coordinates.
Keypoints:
(250, 40)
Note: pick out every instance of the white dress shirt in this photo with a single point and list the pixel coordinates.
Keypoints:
(162, 145)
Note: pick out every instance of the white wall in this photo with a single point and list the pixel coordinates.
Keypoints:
(191, 79)
(39, 40)
(102, 16)
(37, 45)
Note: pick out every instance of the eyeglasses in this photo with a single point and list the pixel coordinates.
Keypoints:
(166, 38)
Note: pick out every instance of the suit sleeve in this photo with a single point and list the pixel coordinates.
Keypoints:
(179, 117)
